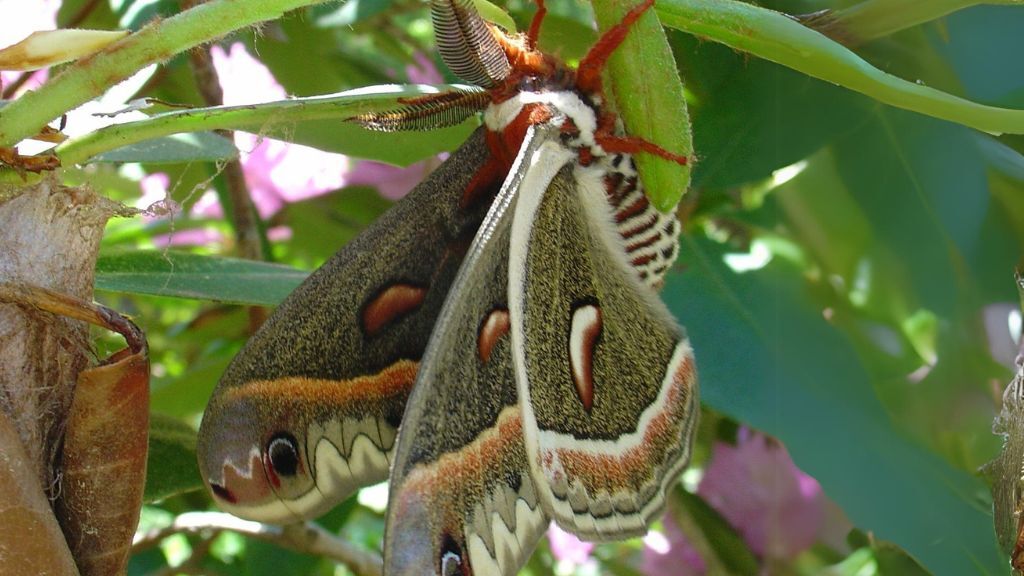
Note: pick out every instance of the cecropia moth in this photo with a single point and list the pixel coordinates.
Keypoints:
(494, 341)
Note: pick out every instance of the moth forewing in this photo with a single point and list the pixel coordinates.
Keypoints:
(606, 378)
(308, 411)
(462, 499)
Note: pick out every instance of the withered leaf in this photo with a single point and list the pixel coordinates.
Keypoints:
(1006, 471)
(102, 469)
(30, 538)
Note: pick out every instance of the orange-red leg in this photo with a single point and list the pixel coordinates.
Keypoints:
(589, 73)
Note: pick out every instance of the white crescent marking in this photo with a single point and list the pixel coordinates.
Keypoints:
(586, 325)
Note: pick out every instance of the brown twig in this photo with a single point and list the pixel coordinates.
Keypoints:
(308, 538)
(18, 82)
(242, 211)
(83, 13)
(64, 305)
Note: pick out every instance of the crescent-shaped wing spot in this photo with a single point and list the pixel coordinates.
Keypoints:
(492, 329)
(585, 330)
(389, 305)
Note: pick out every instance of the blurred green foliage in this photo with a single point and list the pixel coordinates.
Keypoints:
(875, 240)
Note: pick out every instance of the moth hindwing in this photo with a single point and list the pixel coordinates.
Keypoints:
(606, 379)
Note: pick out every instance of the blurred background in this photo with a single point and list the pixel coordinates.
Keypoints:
(846, 279)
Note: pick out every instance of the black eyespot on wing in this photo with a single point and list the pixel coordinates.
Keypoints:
(283, 452)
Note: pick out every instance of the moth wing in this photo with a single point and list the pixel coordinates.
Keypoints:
(328, 375)
(606, 378)
(462, 500)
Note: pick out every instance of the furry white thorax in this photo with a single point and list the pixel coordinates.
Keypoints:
(497, 117)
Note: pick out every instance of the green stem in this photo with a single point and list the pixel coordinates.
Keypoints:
(873, 19)
(778, 38)
(90, 77)
(259, 118)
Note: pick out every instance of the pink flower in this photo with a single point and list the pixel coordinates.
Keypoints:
(276, 172)
(391, 181)
(670, 553)
(424, 71)
(567, 548)
(777, 509)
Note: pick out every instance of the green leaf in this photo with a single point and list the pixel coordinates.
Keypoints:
(194, 147)
(349, 13)
(768, 358)
(333, 60)
(774, 36)
(894, 561)
(649, 96)
(316, 121)
(266, 559)
(185, 275)
(751, 116)
(171, 467)
(911, 176)
(871, 19)
(146, 562)
(1000, 26)
(902, 214)
(187, 394)
(493, 13)
(87, 79)
(98, 17)
(321, 224)
(137, 13)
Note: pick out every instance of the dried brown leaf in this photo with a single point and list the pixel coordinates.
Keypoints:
(104, 463)
(102, 470)
(31, 541)
(1006, 471)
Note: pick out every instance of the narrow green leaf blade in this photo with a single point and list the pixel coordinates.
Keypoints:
(777, 37)
(315, 121)
(195, 147)
(171, 467)
(184, 275)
